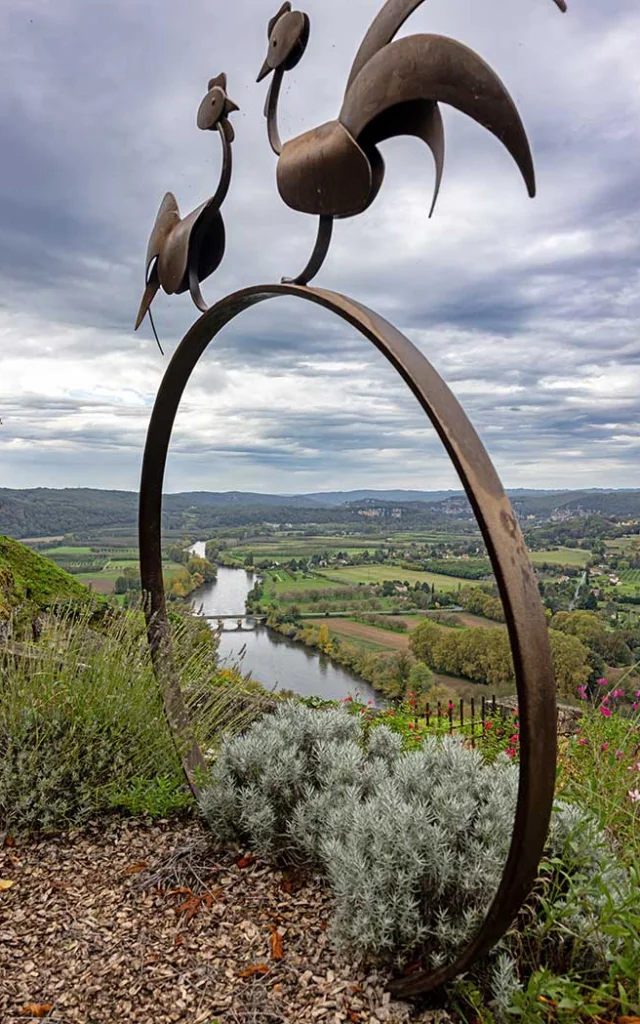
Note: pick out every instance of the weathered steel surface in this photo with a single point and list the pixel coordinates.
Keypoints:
(182, 252)
(393, 88)
(516, 582)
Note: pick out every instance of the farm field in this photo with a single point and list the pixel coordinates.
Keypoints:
(104, 582)
(470, 621)
(367, 635)
(623, 544)
(379, 573)
(562, 556)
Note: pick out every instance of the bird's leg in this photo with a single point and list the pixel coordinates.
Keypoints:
(320, 250)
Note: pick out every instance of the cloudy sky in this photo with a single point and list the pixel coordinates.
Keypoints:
(530, 310)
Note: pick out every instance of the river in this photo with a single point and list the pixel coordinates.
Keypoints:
(272, 659)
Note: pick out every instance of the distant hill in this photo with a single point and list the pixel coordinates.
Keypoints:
(26, 577)
(43, 512)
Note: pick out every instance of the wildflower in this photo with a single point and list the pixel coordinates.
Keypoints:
(634, 767)
(605, 746)
(605, 711)
(602, 682)
(635, 705)
(510, 752)
(583, 742)
(637, 693)
(369, 702)
(488, 725)
(347, 700)
(634, 796)
(619, 755)
(618, 693)
(582, 692)
(514, 739)
(450, 705)
(410, 725)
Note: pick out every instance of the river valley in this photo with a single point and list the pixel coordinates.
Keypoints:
(273, 660)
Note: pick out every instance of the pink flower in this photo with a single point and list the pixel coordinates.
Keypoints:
(605, 746)
(450, 705)
(618, 693)
(582, 695)
(635, 705)
(606, 712)
(634, 767)
(369, 702)
(637, 693)
(346, 700)
(510, 752)
(619, 755)
(634, 796)
(583, 742)
(488, 725)
(514, 739)
(602, 682)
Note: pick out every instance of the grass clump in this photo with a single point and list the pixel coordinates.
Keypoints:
(82, 726)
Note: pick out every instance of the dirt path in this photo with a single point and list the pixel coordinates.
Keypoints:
(131, 922)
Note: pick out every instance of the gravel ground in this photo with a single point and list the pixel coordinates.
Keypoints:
(128, 921)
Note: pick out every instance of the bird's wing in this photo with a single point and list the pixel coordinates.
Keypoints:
(421, 118)
(383, 28)
(432, 67)
(166, 219)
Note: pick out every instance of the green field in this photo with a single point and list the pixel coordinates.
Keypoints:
(379, 573)
(66, 550)
(282, 583)
(562, 556)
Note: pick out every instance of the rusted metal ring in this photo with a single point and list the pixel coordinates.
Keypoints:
(516, 582)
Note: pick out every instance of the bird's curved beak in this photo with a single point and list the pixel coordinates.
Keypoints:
(153, 285)
(562, 5)
(265, 70)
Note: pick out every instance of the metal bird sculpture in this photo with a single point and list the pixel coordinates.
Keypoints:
(182, 252)
(394, 88)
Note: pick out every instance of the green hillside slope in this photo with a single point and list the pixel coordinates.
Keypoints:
(28, 577)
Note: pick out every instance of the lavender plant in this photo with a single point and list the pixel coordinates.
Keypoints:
(413, 843)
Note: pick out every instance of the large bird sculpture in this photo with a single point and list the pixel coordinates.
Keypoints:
(394, 88)
(182, 252)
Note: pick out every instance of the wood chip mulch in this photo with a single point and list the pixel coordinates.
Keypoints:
(131, 921)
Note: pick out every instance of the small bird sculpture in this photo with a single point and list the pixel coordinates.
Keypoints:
(394, 88)
(182, 252)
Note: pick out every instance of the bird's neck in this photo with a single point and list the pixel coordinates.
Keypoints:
(271, 111)
(226, 136)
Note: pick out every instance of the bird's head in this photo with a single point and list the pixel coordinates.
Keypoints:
(288, 34)
(216, 106)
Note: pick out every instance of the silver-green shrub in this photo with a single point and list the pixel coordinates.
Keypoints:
(413, 843)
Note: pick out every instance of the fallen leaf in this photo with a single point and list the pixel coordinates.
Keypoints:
(249, 972)
(192, 906)
(277, 945)
(133, 869)
(6, 883)
(354, 1016)
(36, 1009)
(178, 940)
(628, 1020)
(245, 862)
(9, 841)
(180, 890)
